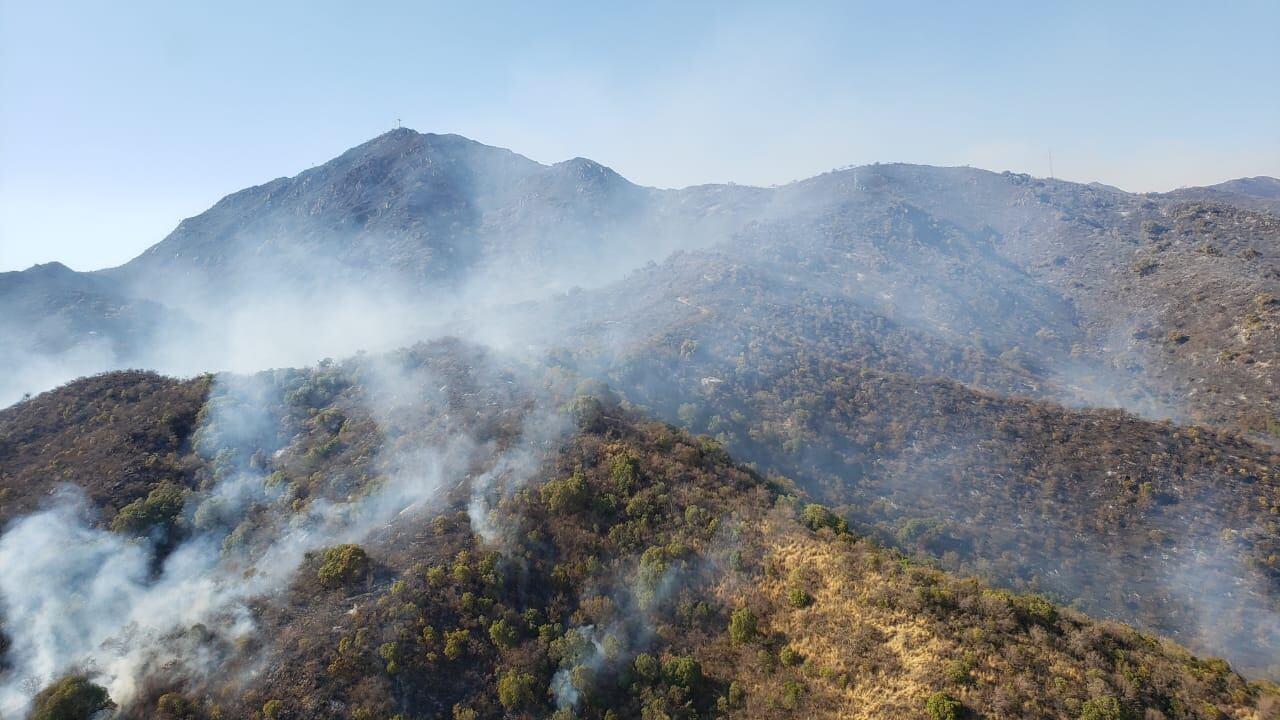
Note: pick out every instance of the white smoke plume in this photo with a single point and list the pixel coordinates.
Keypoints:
(75, 596)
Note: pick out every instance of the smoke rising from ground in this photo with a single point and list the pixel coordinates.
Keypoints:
(75, 596)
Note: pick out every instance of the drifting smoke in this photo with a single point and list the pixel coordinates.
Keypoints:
(76, 596)
(1228, 604)
(79, 597)
(634, 605)
(24, 373)
(584, 657)
(542, 431)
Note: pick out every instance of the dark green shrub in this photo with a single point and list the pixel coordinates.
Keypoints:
(942, 706)
(742, 626)
(789, 657)
(815, 517)
(682, 671)
(160, 509)
(791, 692)
(959, 671)
(799, 598)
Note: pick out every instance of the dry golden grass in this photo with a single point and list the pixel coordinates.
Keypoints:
(837, 680)
(865, 652)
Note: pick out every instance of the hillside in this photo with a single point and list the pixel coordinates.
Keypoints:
(860, 411)
(116, 436)
(613, 567)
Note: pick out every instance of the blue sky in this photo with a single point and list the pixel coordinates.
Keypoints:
(117, 120)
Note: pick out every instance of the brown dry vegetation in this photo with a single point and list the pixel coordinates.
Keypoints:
(117, 436)
(881, 635)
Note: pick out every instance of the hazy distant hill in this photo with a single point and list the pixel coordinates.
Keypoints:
(406, 208)
(61, 308)
(1257, 193)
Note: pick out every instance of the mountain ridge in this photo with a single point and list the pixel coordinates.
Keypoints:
(422, 215)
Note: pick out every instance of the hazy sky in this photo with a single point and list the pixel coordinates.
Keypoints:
(118, 119)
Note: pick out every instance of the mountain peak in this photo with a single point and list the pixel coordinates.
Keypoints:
(1262, 185)
(49, 268)
(403, 137)
(589, 172)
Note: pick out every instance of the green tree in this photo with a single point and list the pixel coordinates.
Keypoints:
(742, 626)
(1105, 707)
(503, 634)
(682, 671)
(815, 517)
(515, 689)
(161, 509)
(1036, 609)
(437, 576)
(172, 706)
(455, 642)
(623, 469)
(566, 495)
(646, 667)
(390, 653)
(687, 414)
(942, 706)
(70, 698)
(343, 565)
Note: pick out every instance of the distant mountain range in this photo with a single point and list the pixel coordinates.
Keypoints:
(1255, 193)
(1164, 304)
